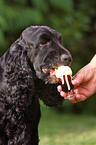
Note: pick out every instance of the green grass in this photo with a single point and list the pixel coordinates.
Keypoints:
(66, 129)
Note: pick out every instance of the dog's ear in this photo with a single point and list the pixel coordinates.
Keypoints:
(29, 36)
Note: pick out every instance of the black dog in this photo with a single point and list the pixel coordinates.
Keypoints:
(26, 74)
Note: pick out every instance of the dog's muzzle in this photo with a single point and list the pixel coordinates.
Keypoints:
(54, 59)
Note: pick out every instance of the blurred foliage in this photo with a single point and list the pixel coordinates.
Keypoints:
(66, 129)
(75, 19)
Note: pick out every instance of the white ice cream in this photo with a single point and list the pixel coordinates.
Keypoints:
(63, 70)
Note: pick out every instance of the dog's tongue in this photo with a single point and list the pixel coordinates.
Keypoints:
(52, 72)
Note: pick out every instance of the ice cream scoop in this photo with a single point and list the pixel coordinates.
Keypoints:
(63, 70)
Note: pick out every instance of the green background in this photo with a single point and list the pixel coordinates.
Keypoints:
(76, 21)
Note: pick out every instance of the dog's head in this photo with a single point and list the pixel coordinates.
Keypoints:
(45, 51)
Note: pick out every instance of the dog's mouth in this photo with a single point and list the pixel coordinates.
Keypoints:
(49, 71)
(53, 75)
(50, 75)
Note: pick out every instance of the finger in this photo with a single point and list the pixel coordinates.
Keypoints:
(63, 94)
(59, 88)
(75, 82)
(78, 77)
(83, 91)
(80, 97)
(73, 100)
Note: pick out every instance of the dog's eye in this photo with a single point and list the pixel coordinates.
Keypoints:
(60, 39)
(44, 39)
(44, 42)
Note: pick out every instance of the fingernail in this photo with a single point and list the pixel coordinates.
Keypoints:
(75, 82)
(63, 94)
(59, 88)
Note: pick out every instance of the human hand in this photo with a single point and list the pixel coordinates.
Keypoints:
(84, 82)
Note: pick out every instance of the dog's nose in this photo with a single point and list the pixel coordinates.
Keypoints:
(66, 59)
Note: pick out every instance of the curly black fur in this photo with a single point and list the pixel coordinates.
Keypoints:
(22, 81)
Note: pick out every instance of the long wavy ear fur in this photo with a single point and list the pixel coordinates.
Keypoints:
(18, 75)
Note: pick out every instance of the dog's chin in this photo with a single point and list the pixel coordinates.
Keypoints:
(49, 77)
(50, 80)
(47, 89)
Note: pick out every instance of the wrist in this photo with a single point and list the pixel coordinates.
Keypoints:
(93, 65)
(93, 62)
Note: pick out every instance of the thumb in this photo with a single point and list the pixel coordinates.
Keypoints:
(78, 78)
